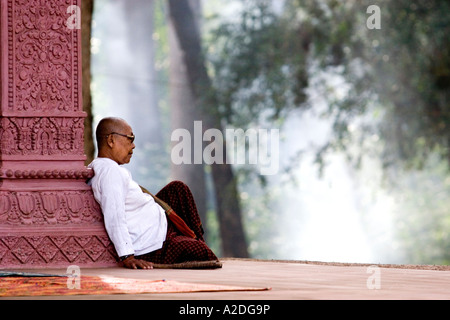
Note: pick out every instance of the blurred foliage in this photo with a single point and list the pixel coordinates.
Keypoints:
(387, 92)
(263, 64)
(258, 66)
(422, 216)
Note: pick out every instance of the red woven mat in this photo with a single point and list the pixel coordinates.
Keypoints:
(89, 285)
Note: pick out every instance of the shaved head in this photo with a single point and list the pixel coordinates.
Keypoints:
(115, 139)
(106, 126)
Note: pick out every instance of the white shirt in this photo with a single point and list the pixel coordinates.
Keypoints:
(135, 223)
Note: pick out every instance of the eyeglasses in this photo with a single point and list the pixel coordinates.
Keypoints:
(130, 137)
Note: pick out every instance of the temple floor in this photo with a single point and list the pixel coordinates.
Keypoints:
(288, 280)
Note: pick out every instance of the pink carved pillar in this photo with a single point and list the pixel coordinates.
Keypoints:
(48, 216)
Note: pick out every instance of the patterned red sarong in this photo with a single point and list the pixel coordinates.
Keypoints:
(177, 247)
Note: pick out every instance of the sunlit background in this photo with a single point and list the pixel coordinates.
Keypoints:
(363, 116)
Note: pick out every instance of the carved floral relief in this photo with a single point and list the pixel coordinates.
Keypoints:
(62, 250)
(49, 208)
(42, 120)
(41, 136)
(45, 62)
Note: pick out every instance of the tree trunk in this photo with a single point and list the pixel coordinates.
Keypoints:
(87, 9)
(228, 207)
(183, 114)
(139, 31)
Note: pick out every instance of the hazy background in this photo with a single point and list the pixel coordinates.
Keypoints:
(363, 116)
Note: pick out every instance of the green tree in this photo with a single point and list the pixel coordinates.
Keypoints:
(400, 73)
(232, 232)
(392, 100)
